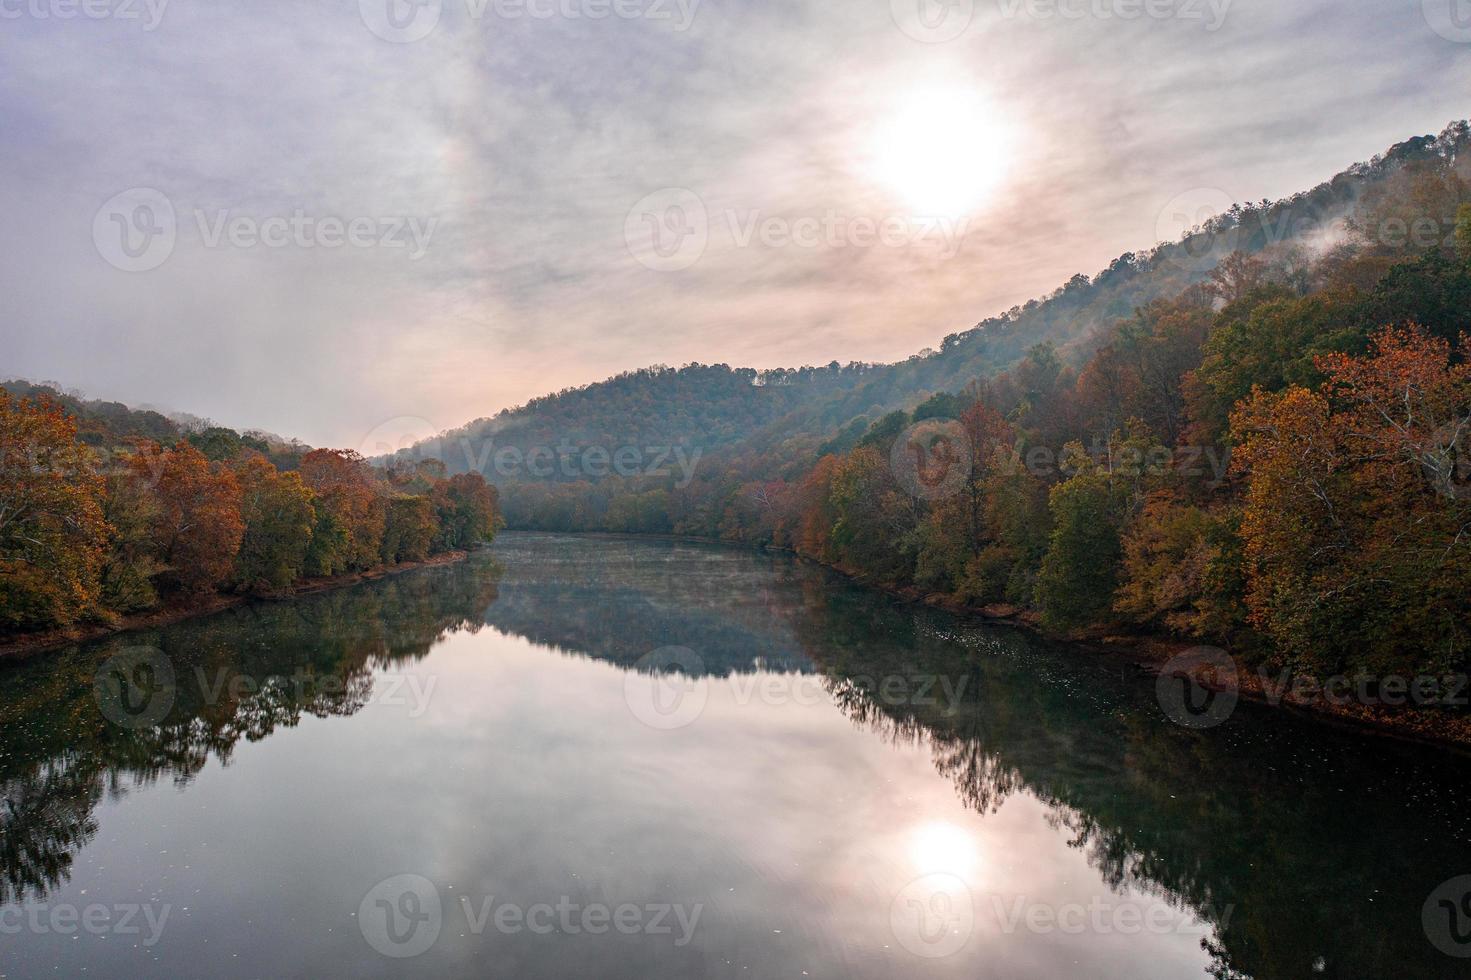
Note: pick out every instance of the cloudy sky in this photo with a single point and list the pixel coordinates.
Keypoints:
(316, 216)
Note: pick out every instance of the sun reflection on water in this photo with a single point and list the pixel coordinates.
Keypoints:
(939, 846)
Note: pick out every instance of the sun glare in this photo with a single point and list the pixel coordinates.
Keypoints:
(942, 847)
(943, 152)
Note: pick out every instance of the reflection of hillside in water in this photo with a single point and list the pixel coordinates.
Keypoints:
(1273, 831)
(237, 675)
(1309, 851)
(617, 600)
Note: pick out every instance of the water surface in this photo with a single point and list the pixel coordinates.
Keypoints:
(490, 770)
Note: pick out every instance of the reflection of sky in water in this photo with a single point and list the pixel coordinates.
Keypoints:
(818, 840)
(530, 779)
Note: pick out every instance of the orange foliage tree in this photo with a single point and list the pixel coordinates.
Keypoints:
(351, 512)
(52, 531)
(197, 526)
(1357, 525)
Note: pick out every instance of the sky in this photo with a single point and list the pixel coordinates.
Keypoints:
(323, 217)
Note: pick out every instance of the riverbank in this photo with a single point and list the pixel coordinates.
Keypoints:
(31, 644)
(1154, 653)
(1337, 705)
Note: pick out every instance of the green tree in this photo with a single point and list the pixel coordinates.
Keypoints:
(218, 443)
(1076, 584)
(279, 517)
(409, 530)
(131, 561)
(1268, 341)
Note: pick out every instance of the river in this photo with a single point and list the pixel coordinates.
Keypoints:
(573, 756)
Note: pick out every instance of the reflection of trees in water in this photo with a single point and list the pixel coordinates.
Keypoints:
(47, 819)
(1317, 845)
(238, 675)
(721, 604)
(1272, 831)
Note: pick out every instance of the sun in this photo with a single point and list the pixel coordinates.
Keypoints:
(942, 151)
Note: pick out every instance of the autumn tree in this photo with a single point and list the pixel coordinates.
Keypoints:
(876, 520)
(52, 530)
(1357, 525)
(1237, 275)
(1076, 583)
(350, 511)
(815, 505)
(467, 510)
(954, 530)
(1181, 570)
(196, 524)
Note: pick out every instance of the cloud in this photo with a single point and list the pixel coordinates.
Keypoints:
(528, 140)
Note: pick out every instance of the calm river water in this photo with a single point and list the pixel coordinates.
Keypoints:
(618, 758)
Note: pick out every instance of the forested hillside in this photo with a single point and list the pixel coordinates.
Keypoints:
(1272, 453)
(705, 406)
(783, 415)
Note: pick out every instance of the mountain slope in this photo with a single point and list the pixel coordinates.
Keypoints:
(721, 410)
